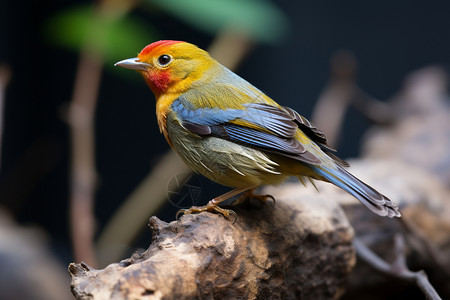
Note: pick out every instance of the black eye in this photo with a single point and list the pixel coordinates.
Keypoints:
(164, 59)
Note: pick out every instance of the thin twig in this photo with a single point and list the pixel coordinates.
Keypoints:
(398, 269)
(5, 75)
(133, 214)
(81, 120)
(329, 112)
(340, 93)
(424, 246)
(83, 175)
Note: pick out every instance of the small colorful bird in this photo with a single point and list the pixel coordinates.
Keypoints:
(229, 131)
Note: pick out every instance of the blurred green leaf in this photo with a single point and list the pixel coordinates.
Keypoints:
(260, 19)
(115, 38)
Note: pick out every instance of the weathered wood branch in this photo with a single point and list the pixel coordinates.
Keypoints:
(398, 269)
(298, 249)
(425, 227)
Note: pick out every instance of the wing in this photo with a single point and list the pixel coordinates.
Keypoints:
(257, 125)
(315, 134)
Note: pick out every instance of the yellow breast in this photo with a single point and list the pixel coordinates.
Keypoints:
(162, 110)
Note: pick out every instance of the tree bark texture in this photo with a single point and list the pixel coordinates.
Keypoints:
(300, 248)
(425, 225)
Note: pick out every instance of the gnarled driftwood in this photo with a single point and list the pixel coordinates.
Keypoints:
(297, 249)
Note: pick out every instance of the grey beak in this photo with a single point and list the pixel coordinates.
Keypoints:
(133, 64)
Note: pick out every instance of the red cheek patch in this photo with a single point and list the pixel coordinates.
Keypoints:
(149, 48)
(159, 81)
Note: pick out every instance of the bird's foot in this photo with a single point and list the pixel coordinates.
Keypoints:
(211, 207)
(246, 197)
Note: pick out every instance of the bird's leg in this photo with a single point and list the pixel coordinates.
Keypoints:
(212, 204)
(249, 195)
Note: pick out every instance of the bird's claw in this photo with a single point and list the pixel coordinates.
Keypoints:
(271, 197)
(181, 211)
(209, 207)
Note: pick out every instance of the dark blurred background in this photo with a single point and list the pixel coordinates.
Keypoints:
(389, 39)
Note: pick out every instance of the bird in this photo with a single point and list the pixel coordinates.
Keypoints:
(229, 131)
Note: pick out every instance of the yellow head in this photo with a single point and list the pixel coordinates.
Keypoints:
(170, 66)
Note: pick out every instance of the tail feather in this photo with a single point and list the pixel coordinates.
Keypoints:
(376, 202)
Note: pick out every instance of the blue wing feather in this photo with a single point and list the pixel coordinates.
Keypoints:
(279, 137)
(271, 118)
(204, 116)
(263, 139)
